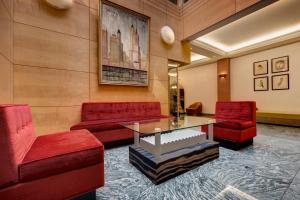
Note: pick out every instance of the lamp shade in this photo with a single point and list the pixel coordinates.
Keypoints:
(60, 4)
(167, 34)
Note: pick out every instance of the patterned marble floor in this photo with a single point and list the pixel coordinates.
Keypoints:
(270, 169)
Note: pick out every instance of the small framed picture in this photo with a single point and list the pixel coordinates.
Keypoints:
(280, 64)
(260, 68)
(261, 83)
(280, 82)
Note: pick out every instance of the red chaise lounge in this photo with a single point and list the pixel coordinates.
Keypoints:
(51, 167)
(102, 119)
(239, 127)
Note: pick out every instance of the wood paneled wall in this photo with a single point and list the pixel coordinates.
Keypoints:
(6, 54)
(223, 73)
(198, 15)
(49, 58)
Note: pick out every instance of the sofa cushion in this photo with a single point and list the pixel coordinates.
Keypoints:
(61, 152)
(235, 124)
(119, 110)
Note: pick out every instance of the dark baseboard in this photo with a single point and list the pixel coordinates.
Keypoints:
(86, 196)
(233, 145)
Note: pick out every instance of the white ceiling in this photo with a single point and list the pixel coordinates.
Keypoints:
(275, 23)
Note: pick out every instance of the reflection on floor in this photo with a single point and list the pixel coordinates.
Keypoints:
(270, 169)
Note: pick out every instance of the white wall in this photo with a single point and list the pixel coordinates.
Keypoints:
(284, 101)
(200, 84)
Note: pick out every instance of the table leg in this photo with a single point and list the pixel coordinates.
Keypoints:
(136, 134)
(211, 132)
(157, 145)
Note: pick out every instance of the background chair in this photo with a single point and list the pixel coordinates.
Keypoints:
(239, 126)
(194, 109)
(57, 166)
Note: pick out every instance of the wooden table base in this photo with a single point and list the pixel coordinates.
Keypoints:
(174, 163)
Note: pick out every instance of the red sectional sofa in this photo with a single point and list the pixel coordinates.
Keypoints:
(102, 119)
(239, 127)
(50, 167)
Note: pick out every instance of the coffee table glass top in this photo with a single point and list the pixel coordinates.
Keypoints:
(161, 125)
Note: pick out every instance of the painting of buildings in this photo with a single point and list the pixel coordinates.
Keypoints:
(125, 47)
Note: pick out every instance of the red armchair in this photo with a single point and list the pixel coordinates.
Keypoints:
(194, 109)
(57, 166)
(239, 127)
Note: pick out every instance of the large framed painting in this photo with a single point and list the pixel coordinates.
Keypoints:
(260, 68)
(124, 49)
(261, 83)
(280, 82)
(280, 64)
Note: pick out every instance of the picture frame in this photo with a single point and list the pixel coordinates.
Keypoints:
(260, 68)
(281, 82)
(261, 83)
(124, 50)
(280, 64)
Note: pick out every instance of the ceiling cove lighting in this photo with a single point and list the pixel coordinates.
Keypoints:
(196, 56)
(256, 40)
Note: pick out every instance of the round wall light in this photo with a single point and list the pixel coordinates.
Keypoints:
(60, 4)
(167, 34)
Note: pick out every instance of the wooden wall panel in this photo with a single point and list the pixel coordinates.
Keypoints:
(94, 19)
(43, 48)
(40, 14)
(5, 31)
(207, 14)
(242, 4)
(83, 2)
(6, 38)
(5, 80)
(50, 87)
(55, 119)
(159, 68)
(223, 67)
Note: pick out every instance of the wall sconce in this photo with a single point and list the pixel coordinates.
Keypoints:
(167, 35)
(60, 4)
(222, 75)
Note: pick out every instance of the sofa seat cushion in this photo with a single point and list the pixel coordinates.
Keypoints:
(59, 153)
(111, 124)
(235, 124)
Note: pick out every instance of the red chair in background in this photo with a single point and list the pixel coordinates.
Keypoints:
(239, 126)
(57, 166)
(195, 109)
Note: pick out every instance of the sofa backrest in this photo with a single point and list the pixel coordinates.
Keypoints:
(119, 110)
(16, 137)
(240, 110)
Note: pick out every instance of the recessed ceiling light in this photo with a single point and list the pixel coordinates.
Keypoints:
(196, 56)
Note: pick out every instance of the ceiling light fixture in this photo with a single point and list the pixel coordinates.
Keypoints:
(250, 42)
(167, 35)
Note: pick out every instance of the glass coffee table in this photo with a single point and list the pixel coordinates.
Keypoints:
(166, 147)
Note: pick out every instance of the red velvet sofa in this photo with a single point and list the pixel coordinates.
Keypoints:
(102, 119)
(239, 127)
(50, 167)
